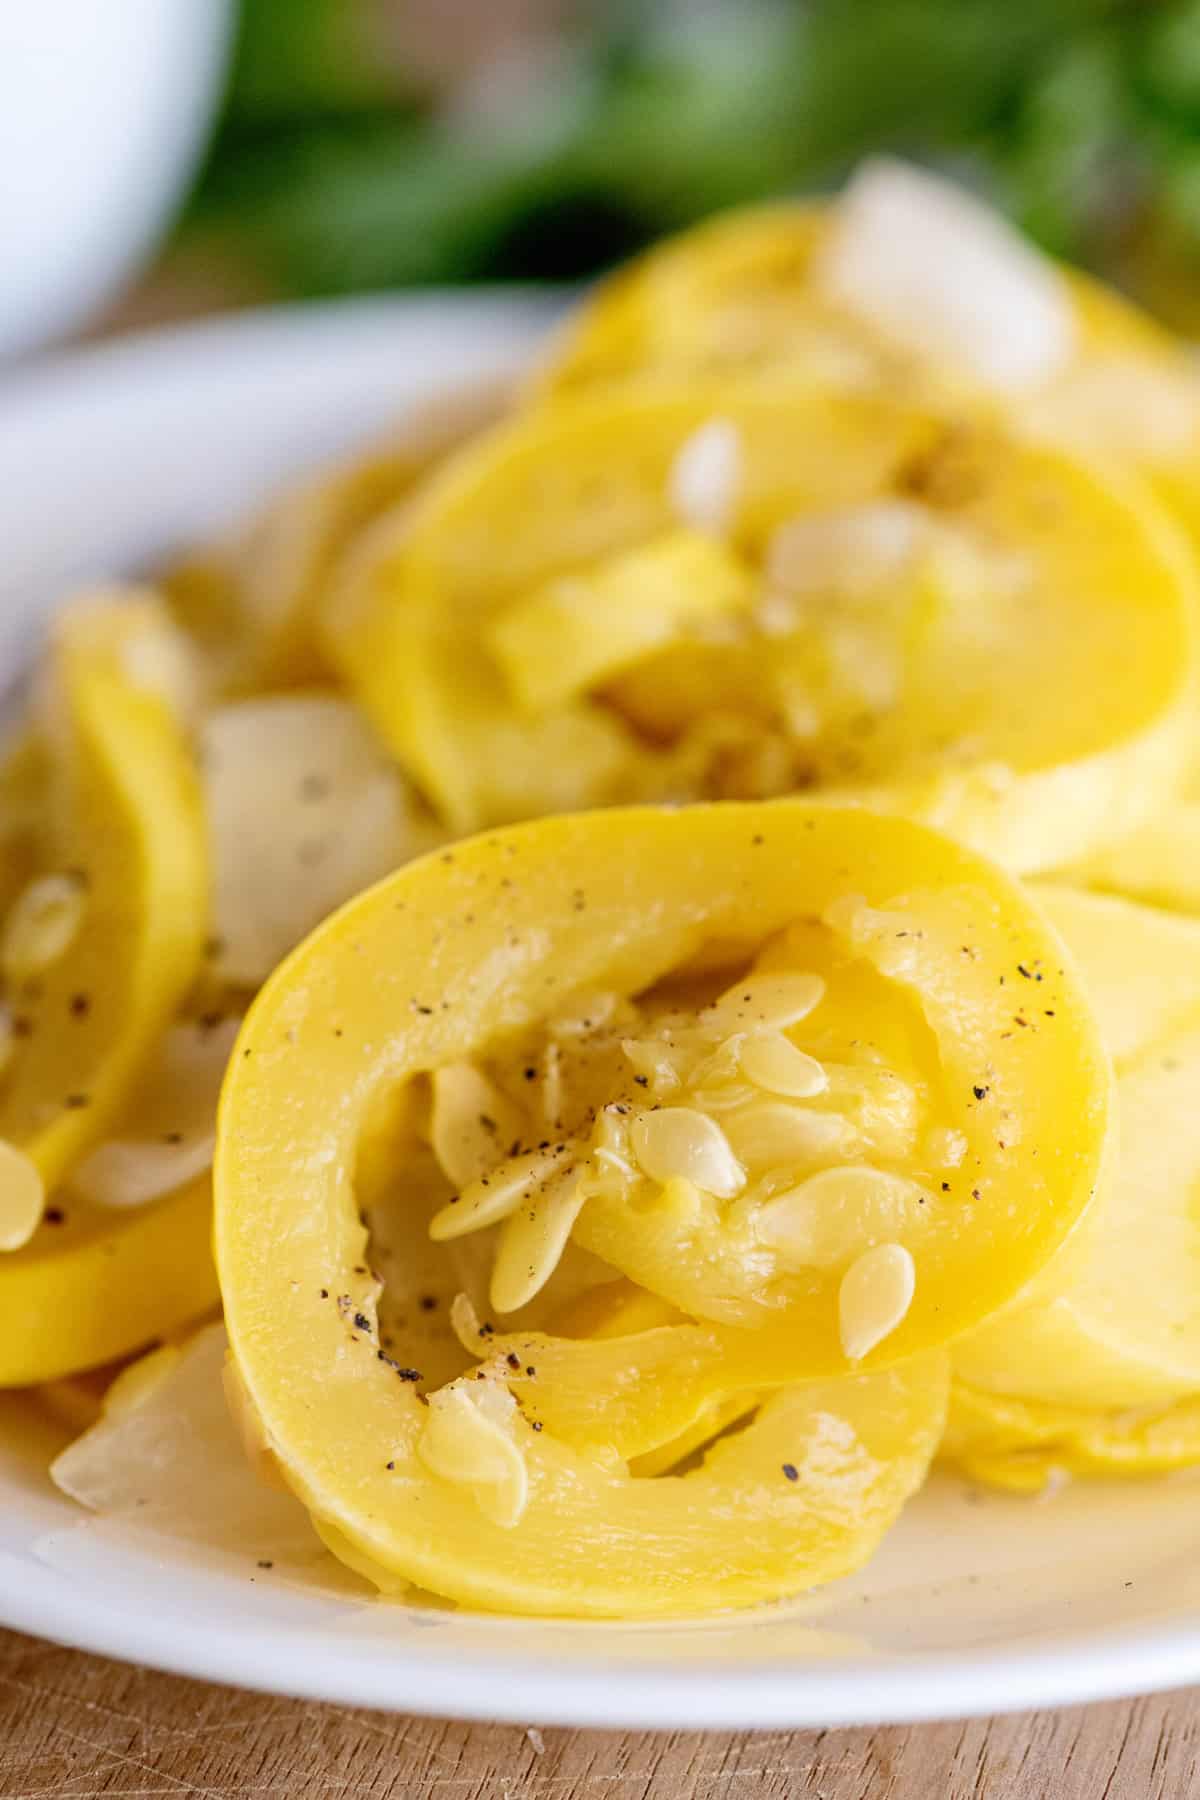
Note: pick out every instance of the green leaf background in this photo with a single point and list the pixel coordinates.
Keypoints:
(342, 162)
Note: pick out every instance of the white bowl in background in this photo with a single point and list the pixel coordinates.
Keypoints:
(105, 106)
(976, 1603)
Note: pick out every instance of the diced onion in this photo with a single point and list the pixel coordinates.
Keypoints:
(848, 550)
(304, 811)
(166, 1453)
(173, 1124)
(942, 276)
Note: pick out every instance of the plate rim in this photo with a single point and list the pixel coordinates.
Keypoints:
(511, 1686)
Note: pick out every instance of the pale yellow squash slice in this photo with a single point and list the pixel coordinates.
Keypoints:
(1028, 1445)
(1114, 1322)
(99, 952)
(475, 1494)
(1015, 665)
(765, 292)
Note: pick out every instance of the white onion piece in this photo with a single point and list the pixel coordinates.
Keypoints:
(175, 1120)
(939, 274)
(848, 550)
(304, 811)
(166, 1454)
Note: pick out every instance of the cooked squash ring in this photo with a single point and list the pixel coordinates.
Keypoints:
(736, 296)
(1112, 1323)
(1025, 1445)
(993, 727)
(474, 944)
(129, 841)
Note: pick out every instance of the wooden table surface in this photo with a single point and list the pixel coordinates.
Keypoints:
(77, 1727)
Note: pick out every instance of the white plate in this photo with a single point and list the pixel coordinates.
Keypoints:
(976, 1603)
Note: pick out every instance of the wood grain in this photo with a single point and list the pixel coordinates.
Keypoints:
(77, 1727)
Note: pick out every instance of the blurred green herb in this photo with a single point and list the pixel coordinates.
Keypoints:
(349, 157)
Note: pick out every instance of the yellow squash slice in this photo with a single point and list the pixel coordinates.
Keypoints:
(1114, 1323)
(435, 981)
(1159, 862)
(1026, 1445)
(829, 292)
(94, 1285)
(899, 606)
(473, 1504)
(99, 951)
